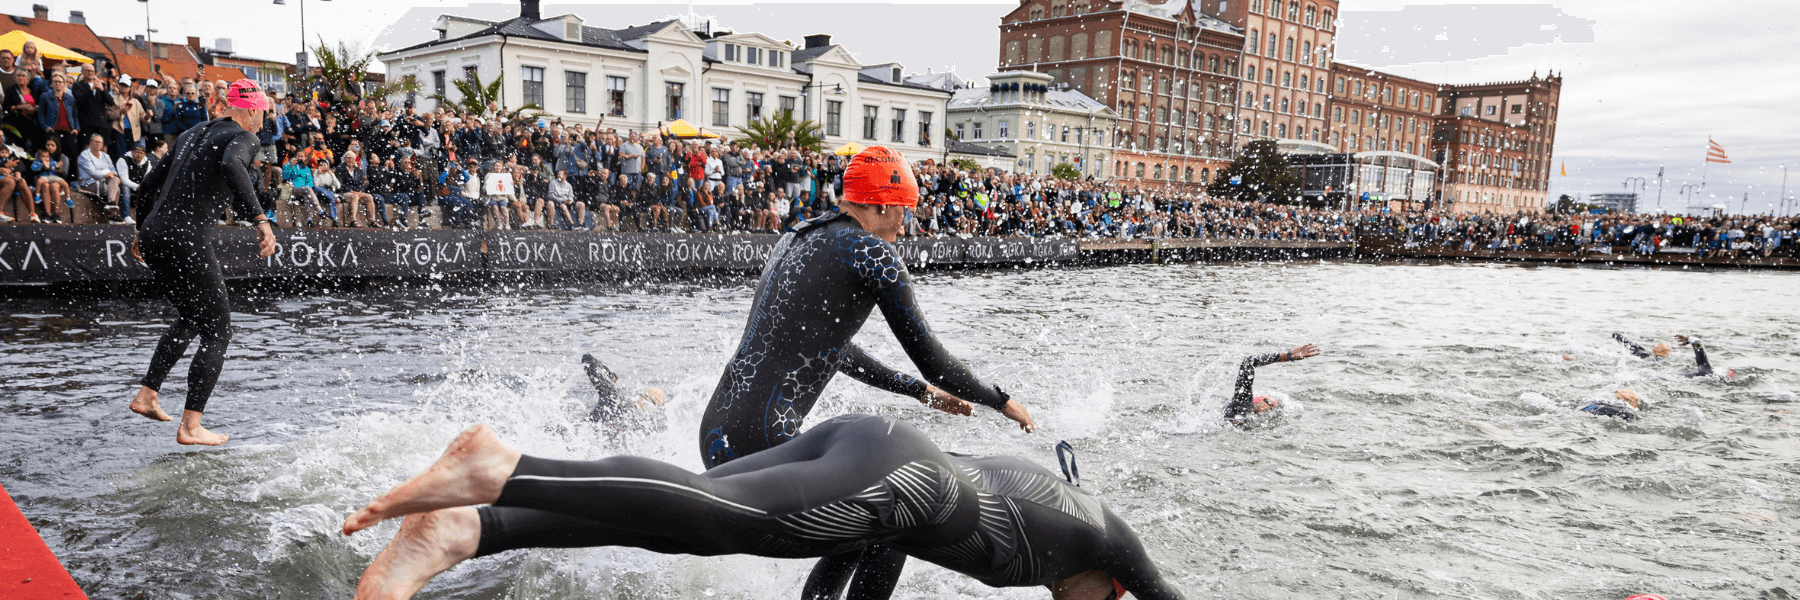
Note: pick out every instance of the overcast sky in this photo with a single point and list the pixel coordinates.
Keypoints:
(1647, 81)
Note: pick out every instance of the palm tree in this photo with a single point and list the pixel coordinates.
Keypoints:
(343, 71)
(476, 96)
(783, 130)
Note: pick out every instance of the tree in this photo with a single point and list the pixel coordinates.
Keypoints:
(1065, 171)
(964, 164)
(342, 74)
(782, 130)
(1263, 174)
(476, 96)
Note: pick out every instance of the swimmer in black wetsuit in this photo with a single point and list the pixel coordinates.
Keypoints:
(849, 483)
(1702, 366)
(1625, 408)
(1244, 403)
(611, 407)
(182, 196)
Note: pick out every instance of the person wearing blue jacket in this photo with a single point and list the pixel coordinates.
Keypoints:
(186, 113)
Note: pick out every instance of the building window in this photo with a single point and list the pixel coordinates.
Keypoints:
(534, 85)
(575, 94)
(977, 130)
(615, 96)
(959, 131)
(471, 75)
(437, 82)
(870, 114)
(775, 59)
(674, 92)
(1003, 129)
(787, 105)
(1030, 130)
(899, 131)
(924, 128)
(753, 55)
(834, 117)
(753, 104)
(1065, 134)
(731, 52)
(721, 107)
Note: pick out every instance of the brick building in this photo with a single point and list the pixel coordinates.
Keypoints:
(1287, 56)
(1495, 141)
(1371, 110)
(1168, 72)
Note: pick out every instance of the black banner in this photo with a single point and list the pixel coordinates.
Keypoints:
(37, 254)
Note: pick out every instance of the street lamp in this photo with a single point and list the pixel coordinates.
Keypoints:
(838, 90)
(149, 43)
(302, 56)
(1688, 192)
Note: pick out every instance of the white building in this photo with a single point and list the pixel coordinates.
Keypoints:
(1041, 125)
(641, 77)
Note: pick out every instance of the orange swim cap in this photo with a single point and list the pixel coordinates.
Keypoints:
(880, 175)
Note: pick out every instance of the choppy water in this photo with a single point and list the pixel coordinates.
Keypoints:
(1432, 451)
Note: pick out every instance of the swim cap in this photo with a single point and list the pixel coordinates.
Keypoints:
(245, 93)
(1270, 402)
(880, 175)
(1646, 597)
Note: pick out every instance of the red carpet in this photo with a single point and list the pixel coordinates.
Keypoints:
(28, 571)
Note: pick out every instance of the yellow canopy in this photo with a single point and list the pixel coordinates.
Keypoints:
(849, 149)
(681, 129)
(15, 41)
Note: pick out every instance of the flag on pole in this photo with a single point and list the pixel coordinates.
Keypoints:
(1565, 168)
(1716, 153)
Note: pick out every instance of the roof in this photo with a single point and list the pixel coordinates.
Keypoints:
(68, 35)
(138, 67)
(1071, 100)
(947, 80)
(866, 78)
(611, 39)
(962, 147)
(806, 54)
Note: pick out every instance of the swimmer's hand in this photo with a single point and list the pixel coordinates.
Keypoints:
(265, 240)
(1682, 338)
(1307, 351)
(944, 401)
(1016, 411)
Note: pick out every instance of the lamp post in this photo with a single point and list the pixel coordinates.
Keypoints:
(1687, 191)
(301, 63)
(149, 43)
(837, 91)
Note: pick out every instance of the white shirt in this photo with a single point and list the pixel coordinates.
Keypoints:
(715, 169)
(93, 166)
(123, 168)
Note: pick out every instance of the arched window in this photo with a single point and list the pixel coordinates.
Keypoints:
(1271, 48)
(1212, 63)
(1158, 172)
(1312, 13)
(1189, 177)
(1140, 170)
(1268, 76)
(1282, 130)
(1287, 79)
(1144, 112)
(1287, 50)
(1255, 42)
(1265, 129)
(1212, 93)
(1162, 85)
(1180, 88)
(1326, 23)
(1056, 8)
(1284, 105)
(1168, 55)
(1162, 114)
(1293, 10)
(1306, 53)
(1036, 12)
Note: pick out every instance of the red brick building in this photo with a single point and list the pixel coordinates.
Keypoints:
(1371, 110)
(1494, 141)
(1169, 72)
(1287, 64)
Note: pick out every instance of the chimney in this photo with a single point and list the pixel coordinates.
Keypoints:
(818, 40)
(40, 12)
(528, 10)
(194, 42)
(138, 42)
(76, 18)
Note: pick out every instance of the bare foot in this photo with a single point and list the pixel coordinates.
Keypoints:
(427, 544)
(471, 471)
(192, 434)
(147, 403)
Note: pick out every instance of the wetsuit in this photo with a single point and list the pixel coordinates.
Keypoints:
(1243, 391)
(609, 408)
(1607, 409)
(819, 285)
(853, 481)
(1703, 367)
(189, 189)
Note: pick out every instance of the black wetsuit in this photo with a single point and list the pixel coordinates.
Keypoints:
(1702, 366)
(1243, 391)
(818, 287)
(849, 483)
(1607, 409)
(189, 189)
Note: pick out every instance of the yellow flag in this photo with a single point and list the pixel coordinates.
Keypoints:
(1565, 168)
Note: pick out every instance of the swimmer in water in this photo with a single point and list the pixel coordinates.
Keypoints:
(1623, 406)
(1702, 366)
(1244, 402)
(612, 407)
(850, 483)
(182, 196)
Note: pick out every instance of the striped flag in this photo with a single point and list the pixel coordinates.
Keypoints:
(1716, 153)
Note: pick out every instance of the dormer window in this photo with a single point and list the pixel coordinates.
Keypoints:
(572, 31)
(731, 52)
(896, 74)
(753, 55)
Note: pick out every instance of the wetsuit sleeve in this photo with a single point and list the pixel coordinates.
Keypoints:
(1243, 390)
(1704, 367)
(884, 274)
(1635, 349)
(236, 168)
(862, 367)
(149, 191)
(1131, 566)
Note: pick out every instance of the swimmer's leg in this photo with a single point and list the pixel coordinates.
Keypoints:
(471, 471)
(427, 544)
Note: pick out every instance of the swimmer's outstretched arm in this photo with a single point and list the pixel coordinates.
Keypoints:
(884, 274)
(867, 369)
(1243, 390)
(1704, 366)
(1635, 349)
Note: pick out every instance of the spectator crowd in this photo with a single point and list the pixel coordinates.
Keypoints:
(76, 136)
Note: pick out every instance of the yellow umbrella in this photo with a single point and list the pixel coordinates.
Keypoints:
(681, 129)
(849, 149)
(15, 41)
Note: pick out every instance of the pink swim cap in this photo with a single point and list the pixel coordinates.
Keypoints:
(245, 93)
(1646, 597)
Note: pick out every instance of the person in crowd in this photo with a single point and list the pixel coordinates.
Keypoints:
(132, 168)
(499, 203)
(186, 112)
(187, 191)
(96, 172)
(93, 99)
(15, 193)
(22, 110)
(353, 187)
(305, 195)
(1244, 402)
(561, 196)
(853, 483)
(49, 171)
(59, 116)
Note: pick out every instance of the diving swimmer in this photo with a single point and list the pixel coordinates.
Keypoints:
(186, 192)
(846, 484)
(1702, 366)
(611, 407)
(1244, 402)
